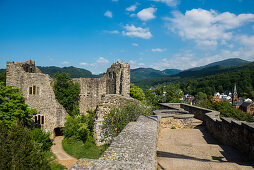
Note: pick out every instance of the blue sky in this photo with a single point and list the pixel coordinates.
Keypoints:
(92, 34)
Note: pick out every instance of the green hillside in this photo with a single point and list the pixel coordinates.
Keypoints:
(171, 72)
(144, 73)
(189, 75)
(73, 71)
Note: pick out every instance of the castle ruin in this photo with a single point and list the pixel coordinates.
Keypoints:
(100, 94)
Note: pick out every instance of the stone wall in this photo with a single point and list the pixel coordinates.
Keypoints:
(115, 81)
(238, 134)
(133, 148)
(37, 88)
(108, 102)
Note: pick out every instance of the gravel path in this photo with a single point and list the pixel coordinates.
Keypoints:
(196, 149)
(62, 157)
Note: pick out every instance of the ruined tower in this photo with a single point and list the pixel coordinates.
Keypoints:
(37, 89)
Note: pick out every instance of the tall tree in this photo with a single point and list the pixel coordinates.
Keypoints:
(13, 107)
(67, 92)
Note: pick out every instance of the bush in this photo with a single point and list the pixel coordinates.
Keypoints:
(137, 93)
(18, 150)
(42, 138)
(77, 127)
(117, 119)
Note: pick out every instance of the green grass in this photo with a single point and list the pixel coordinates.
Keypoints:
(52, 163)
(78, 149)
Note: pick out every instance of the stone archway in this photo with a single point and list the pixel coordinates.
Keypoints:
(58, 131)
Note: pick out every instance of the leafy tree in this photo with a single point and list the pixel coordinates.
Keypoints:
(42, 138)
(3, 77)
(18, 150)
(137, 93)
(77, 128)
(117, 119)
(201, 96)
(67, 93)
(163, 93)
(13, 107)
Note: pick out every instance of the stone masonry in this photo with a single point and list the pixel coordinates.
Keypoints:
(115, 81)
(96, 93)
(37, 88)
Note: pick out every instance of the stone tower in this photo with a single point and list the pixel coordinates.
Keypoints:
(37, 89)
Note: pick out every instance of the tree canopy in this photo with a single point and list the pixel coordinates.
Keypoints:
(13, 107)
(137, 93)
(67, 92)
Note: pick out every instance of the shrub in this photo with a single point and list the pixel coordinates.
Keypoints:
(18, 150)
(76, 127)
(137, 93)
(117, 119)
(42, 138)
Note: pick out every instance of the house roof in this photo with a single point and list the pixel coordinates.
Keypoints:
(246, 104)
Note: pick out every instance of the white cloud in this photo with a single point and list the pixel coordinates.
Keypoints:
(247, 40)
(207, 27)
(108, 14)
(102, 60)
(171, 3)
(147, 14)
(132, 7)
(134, 44)
(158, 50)
(141, 64)
(139, 32)
(112, 32)
(65, 62)
(133, 15)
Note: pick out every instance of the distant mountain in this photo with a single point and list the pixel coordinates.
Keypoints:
(73, 71)
(144, 73)
(171, 72)
(211, 69)
(224, 63)
(1, 70)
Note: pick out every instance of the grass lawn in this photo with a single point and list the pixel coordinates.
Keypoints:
(78, 149)
(53, 164)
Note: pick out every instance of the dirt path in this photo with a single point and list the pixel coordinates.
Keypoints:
(62, 157)
(196, 149)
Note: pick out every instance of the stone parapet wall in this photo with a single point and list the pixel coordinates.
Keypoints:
(133, 148)
(238, 134)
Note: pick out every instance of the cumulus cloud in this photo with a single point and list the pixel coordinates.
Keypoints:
(247, 40)
(147, 14)
(132, 7)
(158, 50)
(171, 3)
(65, 62)
(133, 31)
(108, 14)
(134, 44)
(112, 32)
(102, 60)
(207, 26)
(141, 64)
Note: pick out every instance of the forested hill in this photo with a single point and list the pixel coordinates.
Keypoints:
(190, 75)
(73, 71)
(242, 76)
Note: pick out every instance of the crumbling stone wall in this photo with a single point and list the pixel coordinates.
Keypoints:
(37, 88)
(115, 81)
(238, 134)
(107, 103)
